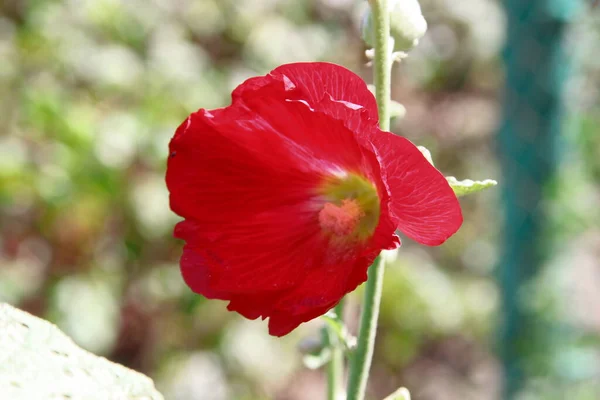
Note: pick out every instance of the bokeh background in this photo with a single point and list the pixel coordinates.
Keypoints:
(91, 92)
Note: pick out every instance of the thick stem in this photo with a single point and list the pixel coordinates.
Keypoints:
(362, 357)
(383, 60)
(361, 360)
(335, 368)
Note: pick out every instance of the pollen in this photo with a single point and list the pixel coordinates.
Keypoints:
(340, 220)
(350, 208)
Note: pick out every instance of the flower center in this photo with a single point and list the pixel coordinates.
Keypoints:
(351, 208)
(341, 220)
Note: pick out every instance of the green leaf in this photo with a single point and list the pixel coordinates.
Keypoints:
(463, 187)
(316, 361)
(468, 186)
(38, 361)
(336, 326)
(316, 350)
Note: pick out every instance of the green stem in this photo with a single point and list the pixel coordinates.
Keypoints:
(335, 368)
(383, 60)
(362, 358)
(363, 355)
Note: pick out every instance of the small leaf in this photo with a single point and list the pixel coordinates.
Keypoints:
(468, 186)
(400, 394)
(38, 361)
(316, 350)
(337, 327)
(316, 361)
(463, 187)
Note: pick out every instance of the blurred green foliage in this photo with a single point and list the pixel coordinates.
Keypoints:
(91, 92)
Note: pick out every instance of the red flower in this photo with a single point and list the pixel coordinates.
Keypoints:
(291, 192)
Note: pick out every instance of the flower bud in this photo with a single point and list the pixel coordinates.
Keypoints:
(407, 24)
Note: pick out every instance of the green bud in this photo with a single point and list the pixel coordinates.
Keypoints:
(400, 394)
(426, 153)
(407, 24)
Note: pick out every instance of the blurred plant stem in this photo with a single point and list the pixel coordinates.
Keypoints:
(335, 368)
(382, 63)
(530, 146)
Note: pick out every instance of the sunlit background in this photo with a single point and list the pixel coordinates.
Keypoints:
(91, 92)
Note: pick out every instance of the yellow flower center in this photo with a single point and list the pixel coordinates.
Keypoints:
(351, 208)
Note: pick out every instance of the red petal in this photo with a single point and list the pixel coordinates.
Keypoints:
(312, 82)
(315, 80)
(321, 290)
(423, 202)
(425, 206)
(245, 178)
(315, 137)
